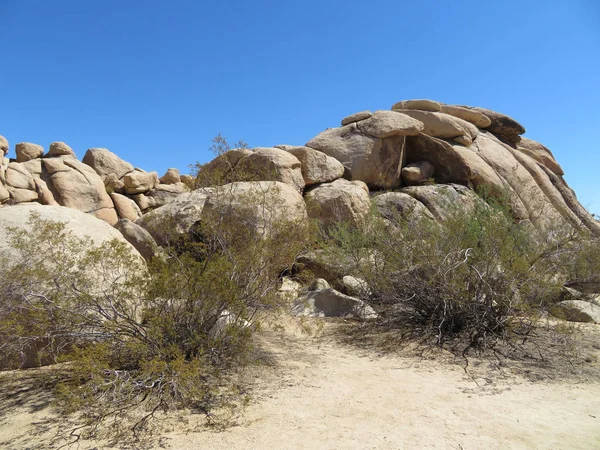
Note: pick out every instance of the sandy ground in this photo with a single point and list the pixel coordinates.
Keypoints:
(322, 394)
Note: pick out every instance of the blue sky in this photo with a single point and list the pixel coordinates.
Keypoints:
(155, 81)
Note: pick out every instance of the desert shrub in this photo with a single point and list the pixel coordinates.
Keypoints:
(137, 340)
(477, 279)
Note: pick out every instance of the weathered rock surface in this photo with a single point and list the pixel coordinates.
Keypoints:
(138, 237)
(341, 200)
(165, 193)
(256, 205)
(60, 149)
(377, 162)
(541, 154)
(175, 218)
(362, 115)
(417, 173)
(475, 117)
(172, 176)
(26, 151)
(78, 186)
(445, 126)
(222, 169)
(386, 124)
(126, 208)
(331, 303)
(577, 311)
(317, 167)
(3, 146)
(395, 206)
(445, 199)
(105, 162)
(423, 105)
(501, 124)
(137, 181)
(271, 164)
(355, 287)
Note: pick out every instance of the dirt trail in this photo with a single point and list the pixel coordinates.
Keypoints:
(325, 395)
(332, 396)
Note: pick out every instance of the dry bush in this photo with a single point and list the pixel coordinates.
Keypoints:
(136, 341)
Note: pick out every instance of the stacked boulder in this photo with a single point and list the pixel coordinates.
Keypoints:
(102, 184)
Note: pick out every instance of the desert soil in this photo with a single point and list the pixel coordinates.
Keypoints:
(324, 394)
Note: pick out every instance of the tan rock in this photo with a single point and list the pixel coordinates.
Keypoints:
(444, 126)
(501, 124)
(423, 105)
(176, 218)
(188, 180)
(475, 117)
(60, 149)
(165, 193)
(540, 153)
(18, 177)
(144, 202)
(385, 124)
(34, 167)
(222, 169)
(317, 167)
(105, 162)
(444, 200)
(258, 206)
(3, 146)
(271, 164)
(376, 162)
(22, 195)
(78, 186)
(109, 215)
(138, 237)
(126, 208)
(356, 117)
(396, 206)
(138, 182)
(4, 194)
(339, 201)
(113, 183)
(172, 176)
(26, 151)
(45, 195)
(417, 173)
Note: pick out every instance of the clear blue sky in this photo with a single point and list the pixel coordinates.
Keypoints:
(154, 81)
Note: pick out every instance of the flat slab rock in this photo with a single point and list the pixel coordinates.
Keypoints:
(331, 303)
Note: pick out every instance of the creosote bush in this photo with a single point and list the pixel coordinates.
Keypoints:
(138, 339)
(476, 280)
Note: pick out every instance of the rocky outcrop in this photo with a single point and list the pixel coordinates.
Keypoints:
(105, 162)
(26, 151)
(397, 206)
(445, 199)
(332, 303)
(417, 173)
(138, 237)
(60, 149)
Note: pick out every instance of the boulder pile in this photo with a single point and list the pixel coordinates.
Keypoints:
(416, 160)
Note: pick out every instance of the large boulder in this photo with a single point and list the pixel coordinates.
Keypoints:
(339, 201)
(475, 117)
(417, 173)
(385, 124)
(271, 164)
(76, 185)
(444, 126)
(222, 169)
(331, 303)
(17, 176)
(126, 208)
(396, 206)
(443, 200)
(60, 149)
(138, 237)
(540, 153)
(79, 225)
(423, 105)
(105, 162)
(577, 311)
(366, 158)
(165, 193)
(171, 176)
(26, 151)
(3, 146)
(317, 167)
(258, 206)
(501, 124)
(138, 181)
(362, 115)
(176, 218)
